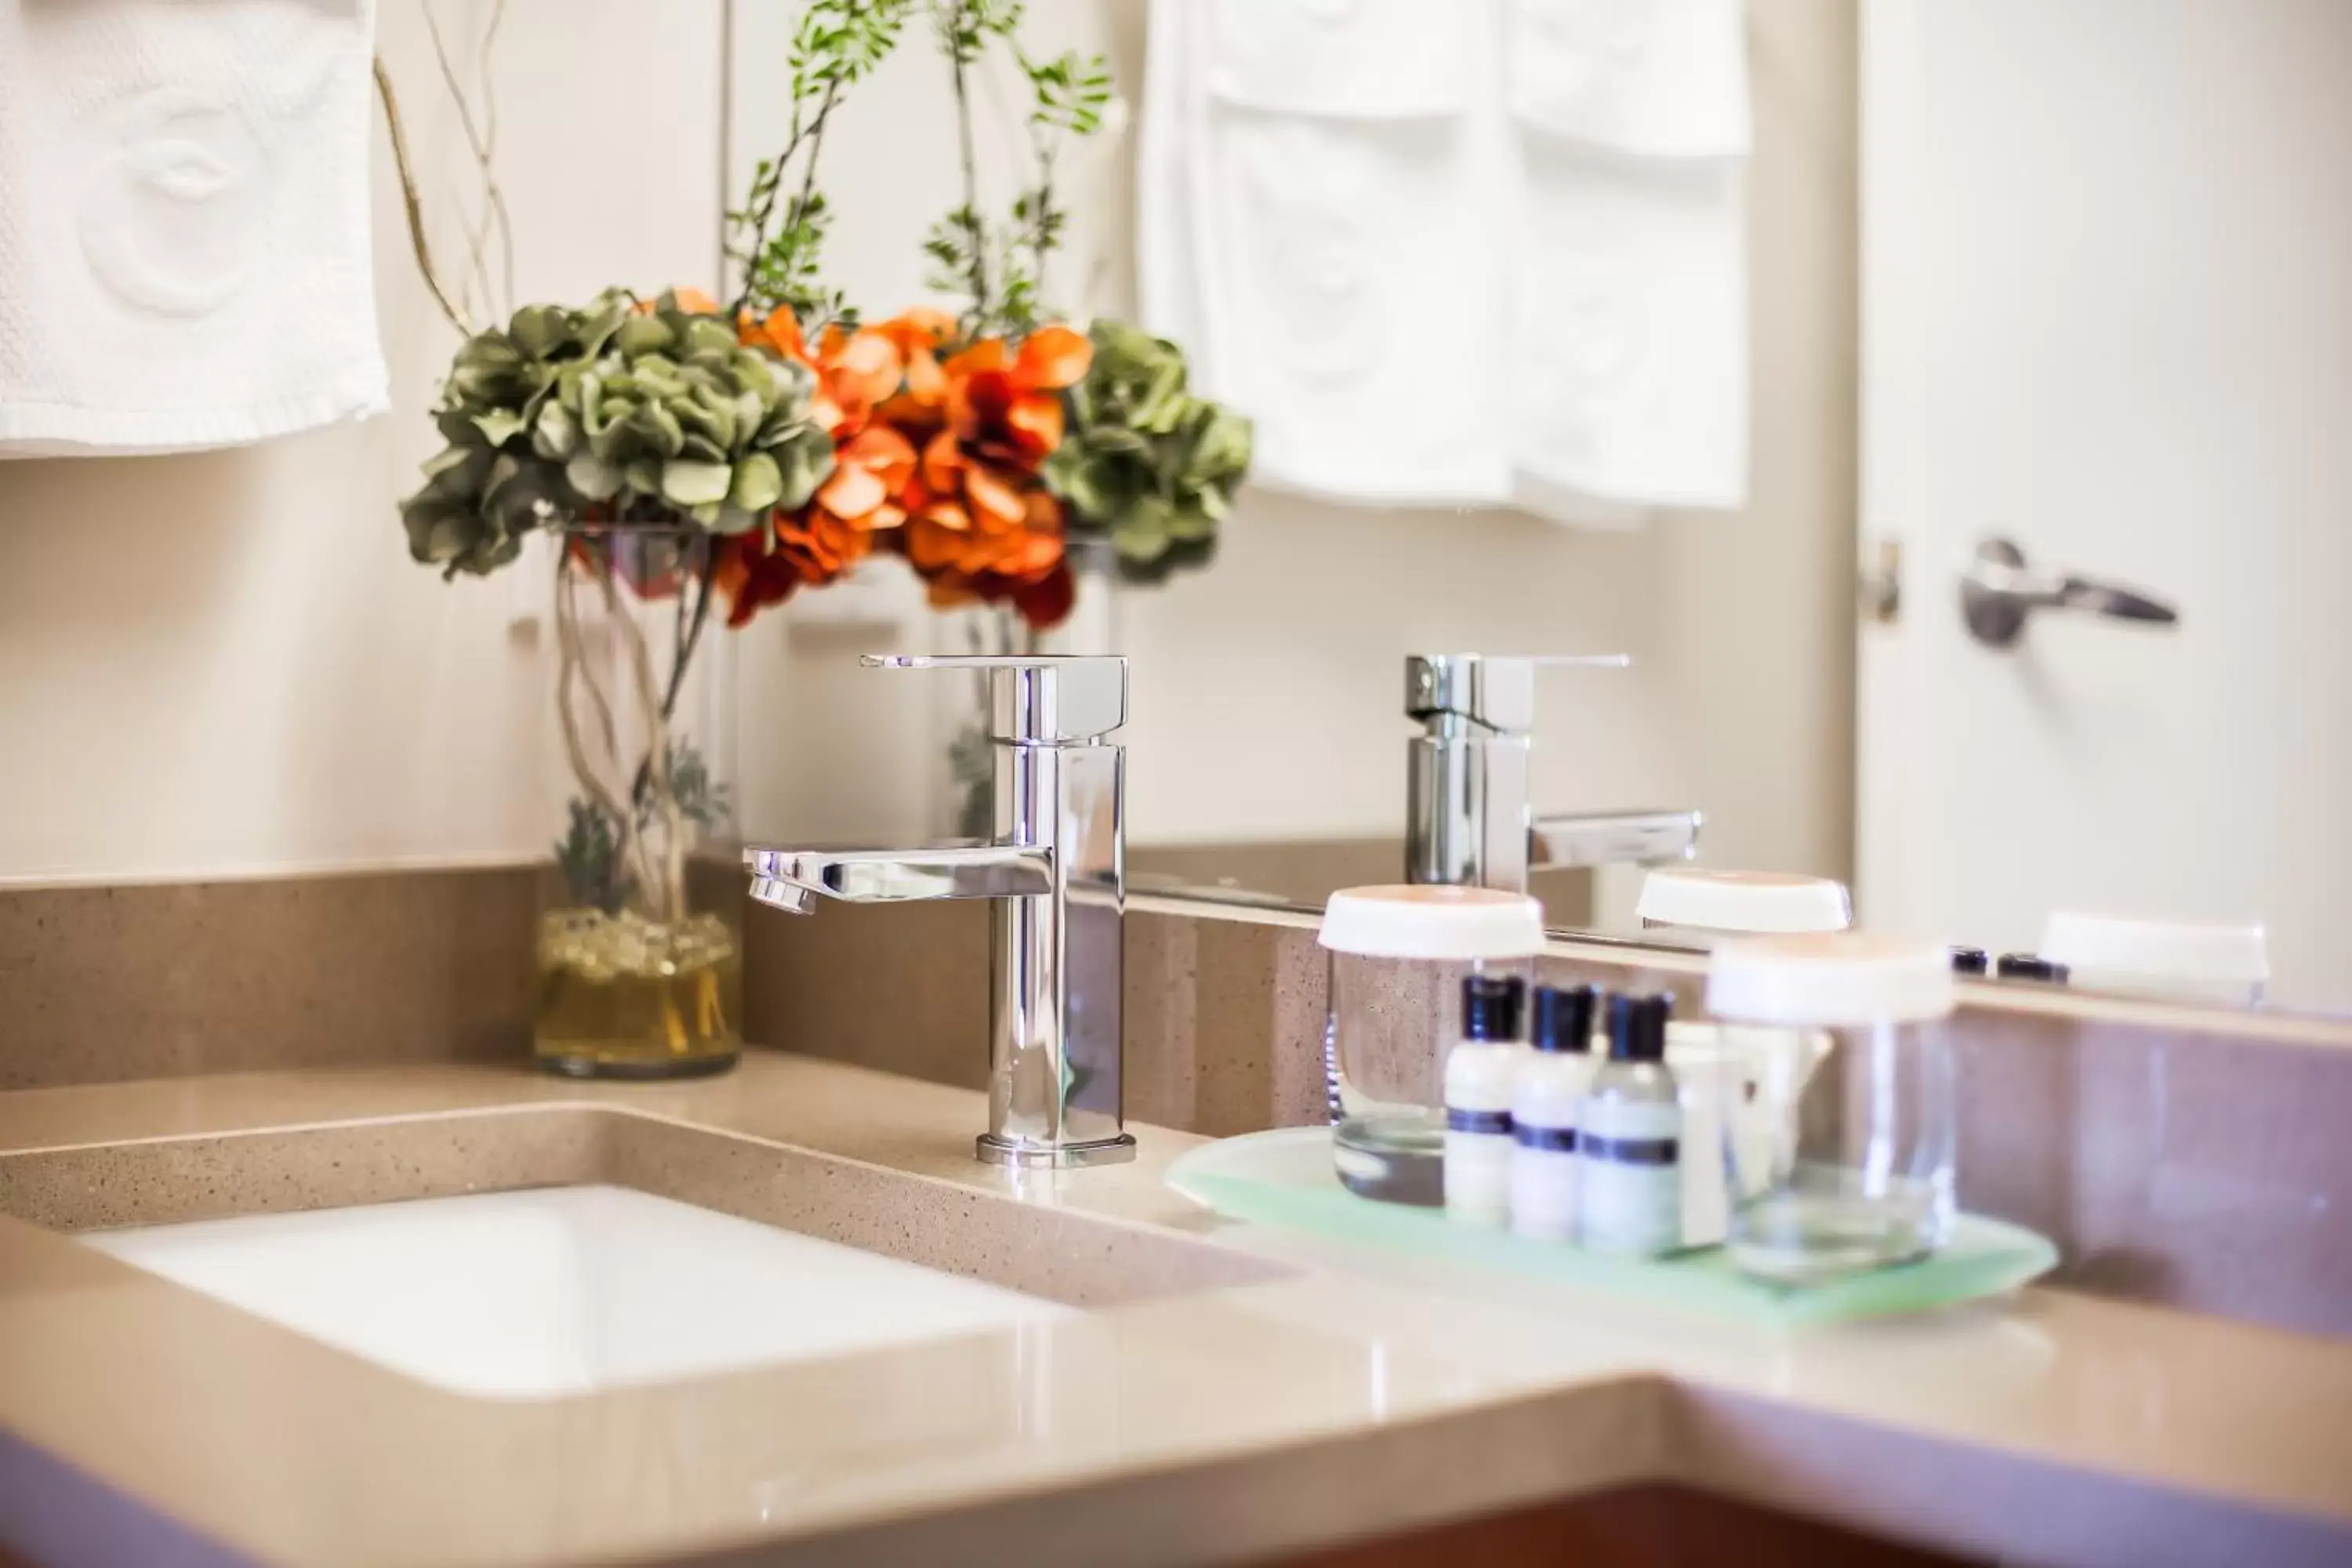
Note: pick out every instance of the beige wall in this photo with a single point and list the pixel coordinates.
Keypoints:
(1266, 691)
(226, 663)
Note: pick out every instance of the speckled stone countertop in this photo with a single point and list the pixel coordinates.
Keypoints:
(1230, 1393)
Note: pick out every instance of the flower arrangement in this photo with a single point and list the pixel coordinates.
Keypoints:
(703, 455)
(986, 441)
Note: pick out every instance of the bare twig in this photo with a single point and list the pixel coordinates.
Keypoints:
(573, 675)
(490, 218)
(671, 888)
(413, 203)
(491, 145)
(689, 636)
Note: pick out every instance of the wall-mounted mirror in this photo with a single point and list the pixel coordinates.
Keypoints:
(1943, 406)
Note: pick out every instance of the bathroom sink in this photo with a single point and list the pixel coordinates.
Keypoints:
(561, 1250)
(561, 1291)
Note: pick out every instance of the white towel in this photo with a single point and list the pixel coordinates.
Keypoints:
(184, 222)
(1477, 254)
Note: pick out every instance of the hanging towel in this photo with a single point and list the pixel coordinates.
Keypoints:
(1475, 255)
(1627, 356)
(183, 223)
(1311, 235)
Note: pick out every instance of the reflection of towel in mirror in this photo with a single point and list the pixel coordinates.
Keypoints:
(183, 246)
(1484, 254)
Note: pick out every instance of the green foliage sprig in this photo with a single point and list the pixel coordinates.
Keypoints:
(1000, 267)
(838, 44)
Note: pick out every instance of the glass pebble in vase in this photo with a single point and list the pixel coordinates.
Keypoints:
(640, 948)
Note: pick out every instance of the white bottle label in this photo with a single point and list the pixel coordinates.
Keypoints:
(1543, 1183)
(1479, 1172)
(1479, 1077)
(1629, 1175)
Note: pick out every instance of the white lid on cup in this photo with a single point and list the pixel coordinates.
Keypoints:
(1830, 980)
(1435, 922)
(2158, 950)
(1757, 901)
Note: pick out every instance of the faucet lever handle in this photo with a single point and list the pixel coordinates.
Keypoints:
(1036, 699)
(1496, 690)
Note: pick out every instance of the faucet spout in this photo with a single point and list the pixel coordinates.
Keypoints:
(1053, 875)
(792, 879)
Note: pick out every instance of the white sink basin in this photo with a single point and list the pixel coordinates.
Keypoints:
(550, 1291)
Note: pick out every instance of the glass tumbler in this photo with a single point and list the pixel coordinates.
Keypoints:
(1860, 1172)
(1397, 958)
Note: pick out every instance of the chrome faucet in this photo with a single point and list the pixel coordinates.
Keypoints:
(1468, 819)
(1055, 869)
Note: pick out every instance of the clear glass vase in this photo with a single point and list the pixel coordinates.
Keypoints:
(640, 948)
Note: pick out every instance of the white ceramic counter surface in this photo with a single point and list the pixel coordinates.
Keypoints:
(1353, 1396)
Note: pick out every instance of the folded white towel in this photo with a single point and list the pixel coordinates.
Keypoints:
(1628, 349)
(1309, 236)
(184, 222)
(1476, 254)
(1662, 77)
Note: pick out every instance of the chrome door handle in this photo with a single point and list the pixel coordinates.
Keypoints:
(1999, 592)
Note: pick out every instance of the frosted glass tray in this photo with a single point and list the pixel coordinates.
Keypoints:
(1285, 1178)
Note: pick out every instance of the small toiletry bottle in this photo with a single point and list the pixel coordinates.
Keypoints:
(1551, 1088)
(1629, 1137)
(1479, 1076)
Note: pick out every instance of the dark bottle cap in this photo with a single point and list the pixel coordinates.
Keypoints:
(1562, 1019)
(1490, 1006)
(1968, 960)
(1637, 1028)
(2028, 966)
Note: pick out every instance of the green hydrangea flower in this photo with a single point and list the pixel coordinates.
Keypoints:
(642, 416)
(1143, 461)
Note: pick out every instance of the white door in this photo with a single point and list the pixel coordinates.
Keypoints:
(2108, 316)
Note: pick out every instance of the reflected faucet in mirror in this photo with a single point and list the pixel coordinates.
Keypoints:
(1054, 870)
(1469, 820)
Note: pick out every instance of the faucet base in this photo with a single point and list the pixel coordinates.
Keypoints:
(994, 1150)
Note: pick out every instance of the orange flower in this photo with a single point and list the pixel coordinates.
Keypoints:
(873, 465)
(918, 408)
(939, 453)
(750, 575)
(780, 334)
(856, 371)
(981, 524)
(1047, 602)
(820, 545)
(810, 547)
(870, 474)
(693, 302)
(1008, 406)
(969, 554)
